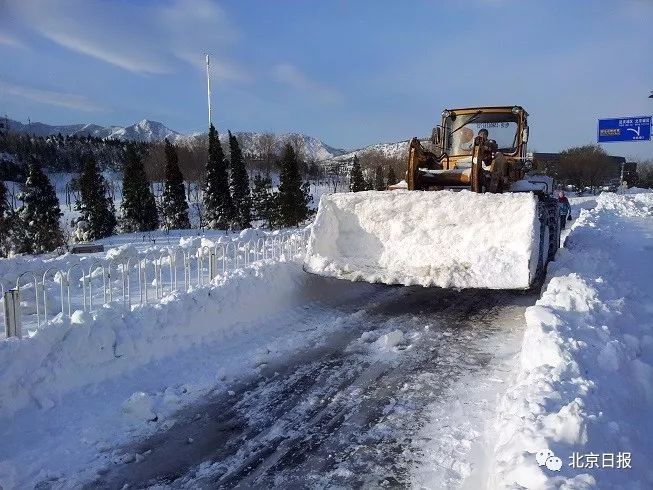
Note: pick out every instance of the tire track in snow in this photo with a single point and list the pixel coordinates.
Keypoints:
(335, 415)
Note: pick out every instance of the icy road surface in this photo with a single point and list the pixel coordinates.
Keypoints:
(397, 396)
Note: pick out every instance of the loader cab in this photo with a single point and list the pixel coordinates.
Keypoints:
(505, 125)
(446, 160)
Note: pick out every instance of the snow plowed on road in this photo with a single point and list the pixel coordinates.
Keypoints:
(352, 411)
(583, 389)
(446, 239)
(273, 377)
(65, 390)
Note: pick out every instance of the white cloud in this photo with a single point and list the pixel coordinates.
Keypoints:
(7, 39)
(147, 39)
(293, 77)
(60, 99)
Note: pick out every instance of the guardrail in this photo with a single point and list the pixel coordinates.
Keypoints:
(36, 298)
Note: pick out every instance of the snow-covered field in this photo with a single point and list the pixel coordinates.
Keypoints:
(449, 389)
(133, 268)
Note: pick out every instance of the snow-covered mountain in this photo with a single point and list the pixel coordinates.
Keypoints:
(389, 150)
(144, 130)
(252, 143)
(313, 148)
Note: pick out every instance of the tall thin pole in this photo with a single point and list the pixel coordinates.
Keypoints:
(208, 87)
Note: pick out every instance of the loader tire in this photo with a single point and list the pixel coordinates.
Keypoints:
(553, 212)
(548, 213)
(542, 260)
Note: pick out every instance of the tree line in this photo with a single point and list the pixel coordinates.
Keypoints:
(228, 201)
(376, 181)
(588, 166)
(56, 153)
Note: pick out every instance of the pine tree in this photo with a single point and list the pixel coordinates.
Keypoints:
(392, 178)
(240, 185)
(5, 222)
(294, 197)
(218, 206)
(98, 217)
(379, 181)
(264, 201)
(369, 183)
(174, 206)
(356, 179)
(37, 229)
(138, 208)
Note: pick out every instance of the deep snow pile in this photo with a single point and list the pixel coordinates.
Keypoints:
(72, 394)
(88, 348)
(447, 239)
(583, 393)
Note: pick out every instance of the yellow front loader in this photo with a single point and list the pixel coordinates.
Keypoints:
(492, 223)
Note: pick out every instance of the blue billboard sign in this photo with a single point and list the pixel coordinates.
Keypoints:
(632, 128)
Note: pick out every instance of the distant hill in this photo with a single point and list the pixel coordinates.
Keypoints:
(389, 150)
(145, 131)
(153, 131)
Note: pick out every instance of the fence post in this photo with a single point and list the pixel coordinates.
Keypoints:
(213, 272)
(12, 313)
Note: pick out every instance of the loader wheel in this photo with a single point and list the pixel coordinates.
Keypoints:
(548, 212)
(553, 221)
(542, 260)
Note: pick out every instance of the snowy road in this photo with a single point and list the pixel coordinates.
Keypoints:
(392, 398)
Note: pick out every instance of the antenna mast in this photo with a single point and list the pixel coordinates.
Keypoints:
(208, 87)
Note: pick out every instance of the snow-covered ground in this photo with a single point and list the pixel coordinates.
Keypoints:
(583, 388)
(271, 376)
(72, 392)
(165, 261)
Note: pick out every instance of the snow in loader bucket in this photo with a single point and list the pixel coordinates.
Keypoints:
(446, 239)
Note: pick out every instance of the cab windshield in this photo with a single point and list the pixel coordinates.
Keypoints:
(501, 127)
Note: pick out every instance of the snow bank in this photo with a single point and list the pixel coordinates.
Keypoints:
(585, 378)
(69, 354)
(447, 239)
(121, 253)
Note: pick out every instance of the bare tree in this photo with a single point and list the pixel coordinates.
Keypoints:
(645, 174)
(268, 148)
(336, 174)
(192, 158)
(298, 145)
(371, 159)
(586, 166)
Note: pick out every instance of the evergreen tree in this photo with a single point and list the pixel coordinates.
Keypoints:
(369, 183)
(37, 229)
(240, 185)
(392, 178)
(379, 181)
(174, 206)
(294, 197)
(5, 222)
(98, 217)
(218, 206)
(138, 208)
(356, 179)
(264, 201)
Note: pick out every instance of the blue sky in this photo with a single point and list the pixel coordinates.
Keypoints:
(351, 73)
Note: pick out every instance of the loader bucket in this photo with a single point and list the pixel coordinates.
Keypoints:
(444, 238)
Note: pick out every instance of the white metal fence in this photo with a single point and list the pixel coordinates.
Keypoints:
(36, 297)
